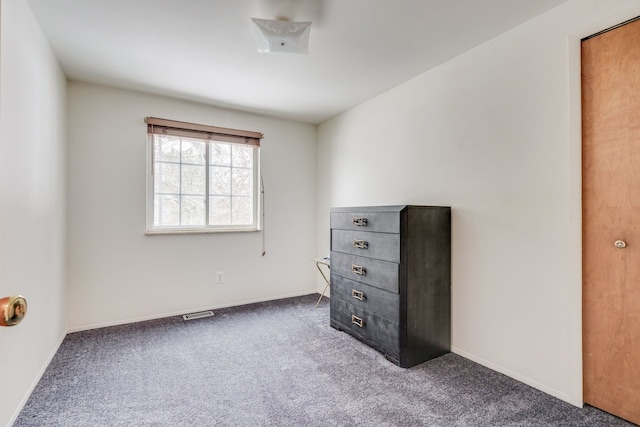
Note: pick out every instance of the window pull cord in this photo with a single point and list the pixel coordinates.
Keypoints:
(264, 250)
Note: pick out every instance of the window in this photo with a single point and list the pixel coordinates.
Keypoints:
(201, 178)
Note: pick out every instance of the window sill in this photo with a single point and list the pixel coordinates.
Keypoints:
(201, 231)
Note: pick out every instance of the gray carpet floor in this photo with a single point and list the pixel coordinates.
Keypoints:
(273, 364)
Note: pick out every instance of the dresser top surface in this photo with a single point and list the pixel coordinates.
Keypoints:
(394, 208)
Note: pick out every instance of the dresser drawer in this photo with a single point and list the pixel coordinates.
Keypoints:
(376, 301)
(381, 222)
(384, 246)
(381, 274)
(379, 333)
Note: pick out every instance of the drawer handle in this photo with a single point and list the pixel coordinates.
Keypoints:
(357, 321)
(360, 222)
(360, 244)
(358, 269)
(359, 295)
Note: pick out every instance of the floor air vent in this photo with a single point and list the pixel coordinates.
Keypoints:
(198, 315)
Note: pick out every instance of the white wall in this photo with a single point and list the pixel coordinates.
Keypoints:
(492, 134)
(32, 201)
(117, 274)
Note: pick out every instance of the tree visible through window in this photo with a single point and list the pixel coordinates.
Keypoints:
(201, 183)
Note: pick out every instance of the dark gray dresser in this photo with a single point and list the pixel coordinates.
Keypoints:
(391, 279)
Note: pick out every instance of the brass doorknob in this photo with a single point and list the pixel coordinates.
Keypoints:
(620, 244)
(12, 310)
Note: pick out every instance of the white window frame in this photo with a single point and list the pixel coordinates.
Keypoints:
(209, 135)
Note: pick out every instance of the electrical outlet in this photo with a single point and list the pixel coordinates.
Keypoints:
(219, 277)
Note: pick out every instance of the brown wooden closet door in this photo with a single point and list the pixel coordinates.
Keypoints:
(611, 212)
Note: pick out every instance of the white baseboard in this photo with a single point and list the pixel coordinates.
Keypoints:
(526, 380)
(181, 312)
(36, 380)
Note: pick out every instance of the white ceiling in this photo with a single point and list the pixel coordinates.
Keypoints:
(204, 50)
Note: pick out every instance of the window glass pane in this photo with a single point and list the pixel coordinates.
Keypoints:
(185, 189)
(220, 180)
(166, 210)
(219, 210)
(242, 156)
(193, 210)
(193, 179)
(166, 178)
(166, 148)
(220, 154)
(242, 212)
(242, 182)
(193, 151)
